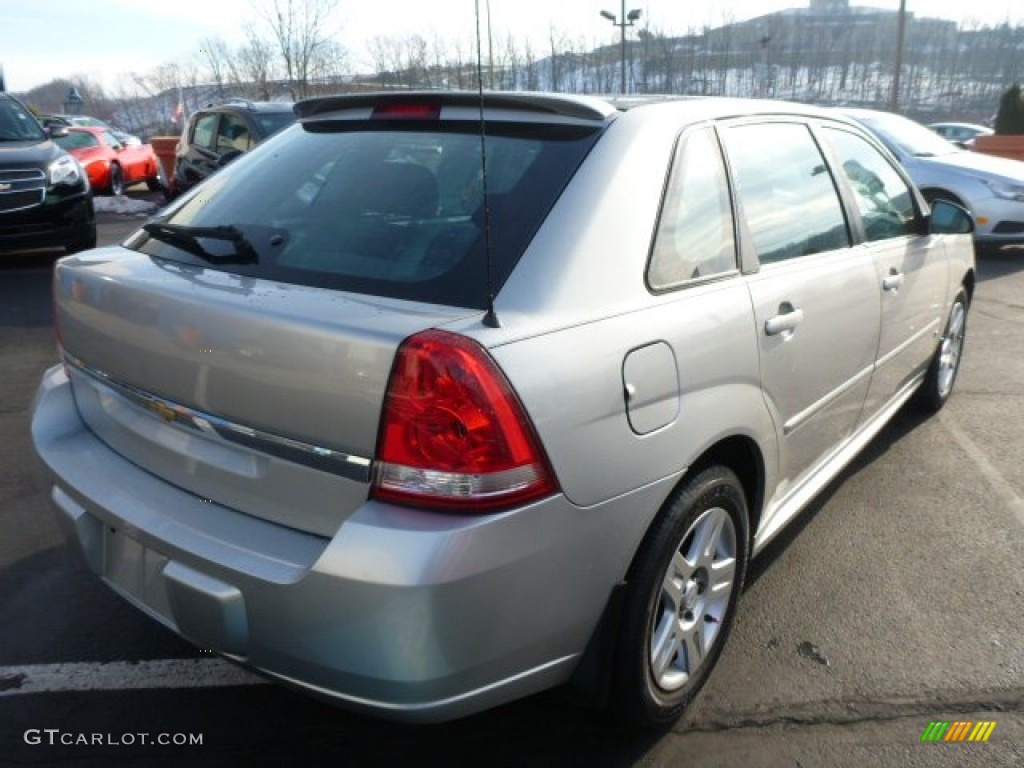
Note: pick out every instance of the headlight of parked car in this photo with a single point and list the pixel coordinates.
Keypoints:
(65, 170)
(1006, 190)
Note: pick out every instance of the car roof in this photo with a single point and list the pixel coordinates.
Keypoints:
(251, 106)
(974, 126)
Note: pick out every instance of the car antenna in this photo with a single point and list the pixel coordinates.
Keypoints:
(491, 318)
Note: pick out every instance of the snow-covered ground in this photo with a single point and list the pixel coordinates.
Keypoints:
(124, 205)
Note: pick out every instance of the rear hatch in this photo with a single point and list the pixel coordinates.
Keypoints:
(240, 345)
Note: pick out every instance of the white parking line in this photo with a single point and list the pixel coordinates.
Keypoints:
(122, 675)
(998, 483)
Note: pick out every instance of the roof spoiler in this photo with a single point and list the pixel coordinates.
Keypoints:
(581, 108)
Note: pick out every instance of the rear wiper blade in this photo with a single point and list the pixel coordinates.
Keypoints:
(187, 238)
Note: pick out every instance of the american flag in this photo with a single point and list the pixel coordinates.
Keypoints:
(179, 112)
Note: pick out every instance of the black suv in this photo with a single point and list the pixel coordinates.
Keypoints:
(44, 193)
(216, 135)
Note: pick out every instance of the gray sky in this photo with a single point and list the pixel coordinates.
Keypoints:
(44, 39)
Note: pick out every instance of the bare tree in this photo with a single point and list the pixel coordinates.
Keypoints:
(217, 59)
(255, 63)
(301, 30)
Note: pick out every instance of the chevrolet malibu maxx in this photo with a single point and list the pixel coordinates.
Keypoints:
(433, 401)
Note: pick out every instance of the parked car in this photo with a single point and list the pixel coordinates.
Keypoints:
(45, 200)
(111, 165)
(424, 431)
(991, 188)
(86, 121)
(214, 136)
(961, 134)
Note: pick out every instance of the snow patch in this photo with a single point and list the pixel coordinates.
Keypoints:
(124, 205)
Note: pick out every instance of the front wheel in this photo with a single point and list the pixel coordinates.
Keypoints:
(681, 599)
(938, 382)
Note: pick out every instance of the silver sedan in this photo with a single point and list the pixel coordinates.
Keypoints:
(436, 400)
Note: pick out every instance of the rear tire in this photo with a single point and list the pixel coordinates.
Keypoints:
(938, 382)
(681, 600)
(116, 186)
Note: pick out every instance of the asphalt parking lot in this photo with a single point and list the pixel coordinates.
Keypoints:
(896, 599)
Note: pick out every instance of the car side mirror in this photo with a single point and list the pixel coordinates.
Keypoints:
(57, 131)
(949, 219)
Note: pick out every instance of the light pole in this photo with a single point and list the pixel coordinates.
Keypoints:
(901, 26)
(622, 21)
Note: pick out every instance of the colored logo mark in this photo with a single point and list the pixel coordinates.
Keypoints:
(958, 730)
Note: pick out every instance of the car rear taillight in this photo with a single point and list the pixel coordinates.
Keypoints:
(453, 433)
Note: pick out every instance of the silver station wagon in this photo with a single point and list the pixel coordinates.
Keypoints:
(435, 400)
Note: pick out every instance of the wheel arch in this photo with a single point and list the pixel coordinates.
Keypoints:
(941, 193)
(590, 683)
(742, 455)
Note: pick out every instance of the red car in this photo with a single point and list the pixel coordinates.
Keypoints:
(110, 165)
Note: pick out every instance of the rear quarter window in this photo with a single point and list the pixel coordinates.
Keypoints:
(694, 238)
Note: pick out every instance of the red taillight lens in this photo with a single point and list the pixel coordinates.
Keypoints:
(453, 434)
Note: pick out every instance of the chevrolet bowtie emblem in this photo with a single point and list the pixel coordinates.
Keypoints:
(165, 412)
(5, 187)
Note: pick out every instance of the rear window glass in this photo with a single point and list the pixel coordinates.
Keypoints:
(392, 210)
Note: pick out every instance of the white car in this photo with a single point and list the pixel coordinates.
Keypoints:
(991, 188)
(961, 134)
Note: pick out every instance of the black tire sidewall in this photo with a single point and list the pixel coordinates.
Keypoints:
(116, 180)
(636, 698)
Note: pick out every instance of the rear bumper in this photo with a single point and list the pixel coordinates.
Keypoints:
(404, 614)
(57, 222)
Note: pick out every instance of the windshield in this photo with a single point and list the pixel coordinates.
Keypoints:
(17, 123)
(77, 140)
(385, 209)
(908, 137)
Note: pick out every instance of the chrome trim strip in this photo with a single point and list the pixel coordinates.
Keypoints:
(313, 456)
(909, 342)
(796, 421)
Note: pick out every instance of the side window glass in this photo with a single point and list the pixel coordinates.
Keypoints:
(694, 238)
(885, 202)
(787, 196)
(205, 131)
(233, 135)
(111, 140)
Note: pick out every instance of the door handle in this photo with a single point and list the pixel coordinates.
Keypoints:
(785, 322)
(893, 282)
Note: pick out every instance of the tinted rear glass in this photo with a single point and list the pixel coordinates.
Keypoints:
(386, 209)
